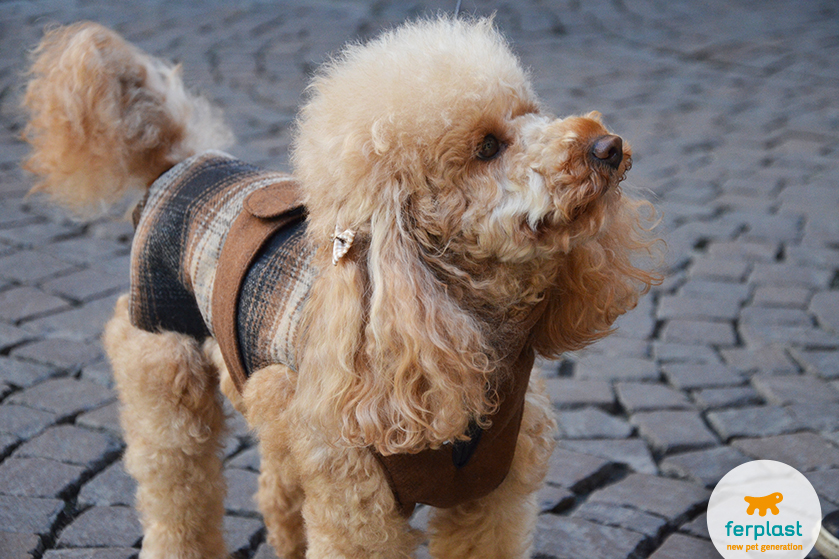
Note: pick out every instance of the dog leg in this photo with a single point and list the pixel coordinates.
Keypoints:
(172, 418)
(266, 400)
(349, 510)
(501, 525)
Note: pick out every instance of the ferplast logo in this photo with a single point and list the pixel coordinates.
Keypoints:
(764, 509)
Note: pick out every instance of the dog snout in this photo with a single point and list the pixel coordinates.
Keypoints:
(607, 149)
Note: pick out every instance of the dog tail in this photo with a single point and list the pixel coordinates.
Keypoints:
(105, 118)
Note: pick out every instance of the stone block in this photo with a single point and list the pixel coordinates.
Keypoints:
(685, 353)
(719, 270)
(706, 466)
(715, 398)
(103, 527)
(71, 444)
(805, 452)
(38, 477)
(786, 297)
(63, 354)
(817, 362)
(775, 317)
(680, 546)
(816, 416)
(111, 487)
(701, 332)
(23, 421)
(735, 294)
(772, 360)
(241, 489)
(87, 284)
(12, 336)
(29, 515)
(673, 431)
(591, 423)
(18, 546)
(751, 251)
(825, 306)
(697, 527)
(87, 250)
(621, 517)
(640, 396)
(753, 421)
(553, 498)
(64, 396)
(570, 392)
(105, 418)
(240, 533)
(761, 335)
(689, 307)
(563, 538)
(605, 368)
(83, 324)
(789, 275)
(29, 266)
(22, 303)
(23, 373)
(576, 471)
(671, 499)
(794, 389)
(247, 460)
(685, 376)
(92, 553)
(631, 452)
(826, 483)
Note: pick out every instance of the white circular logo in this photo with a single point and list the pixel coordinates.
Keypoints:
(764, 509)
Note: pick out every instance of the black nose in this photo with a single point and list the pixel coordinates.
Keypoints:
(609, 150)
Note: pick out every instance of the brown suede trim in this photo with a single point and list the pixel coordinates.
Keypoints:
(265, 211)
(431, 477)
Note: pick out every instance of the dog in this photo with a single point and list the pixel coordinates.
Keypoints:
(376, 315)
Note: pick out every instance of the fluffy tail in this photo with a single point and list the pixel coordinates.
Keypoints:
(107, 118)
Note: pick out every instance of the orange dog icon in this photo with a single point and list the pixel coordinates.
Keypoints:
(763, 503)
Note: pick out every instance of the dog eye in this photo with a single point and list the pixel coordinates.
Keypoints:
(488, 148)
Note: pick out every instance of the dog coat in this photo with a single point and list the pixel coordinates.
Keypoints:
(220, 249)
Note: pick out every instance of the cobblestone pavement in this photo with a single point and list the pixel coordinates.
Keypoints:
(733, 112)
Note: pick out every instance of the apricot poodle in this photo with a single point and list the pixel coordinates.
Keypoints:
(376, 315)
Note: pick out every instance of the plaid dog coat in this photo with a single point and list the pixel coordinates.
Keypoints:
(186, 220)
(213, 209)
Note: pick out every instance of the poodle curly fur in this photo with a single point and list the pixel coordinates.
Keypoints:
(398, 345)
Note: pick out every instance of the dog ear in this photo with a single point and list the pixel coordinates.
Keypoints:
(598, 281)
(401, 366)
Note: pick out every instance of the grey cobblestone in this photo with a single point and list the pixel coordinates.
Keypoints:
(706, 466)
(591, 423)
(21, 303)
(797, 389)
(103, 527)
(563, 538)
(712, 398)
(29, 515)
(672, 431)
(804, 451)
(70, 444)
(621, 517)
(668, 498)
(731, 111)
(576, 471)
(111, 487)
(679, 546)
(640, 396)
(64, 396)
(37, 477)
(752, 421)
(18, 546)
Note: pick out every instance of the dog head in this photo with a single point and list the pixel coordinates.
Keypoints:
(469, 205)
